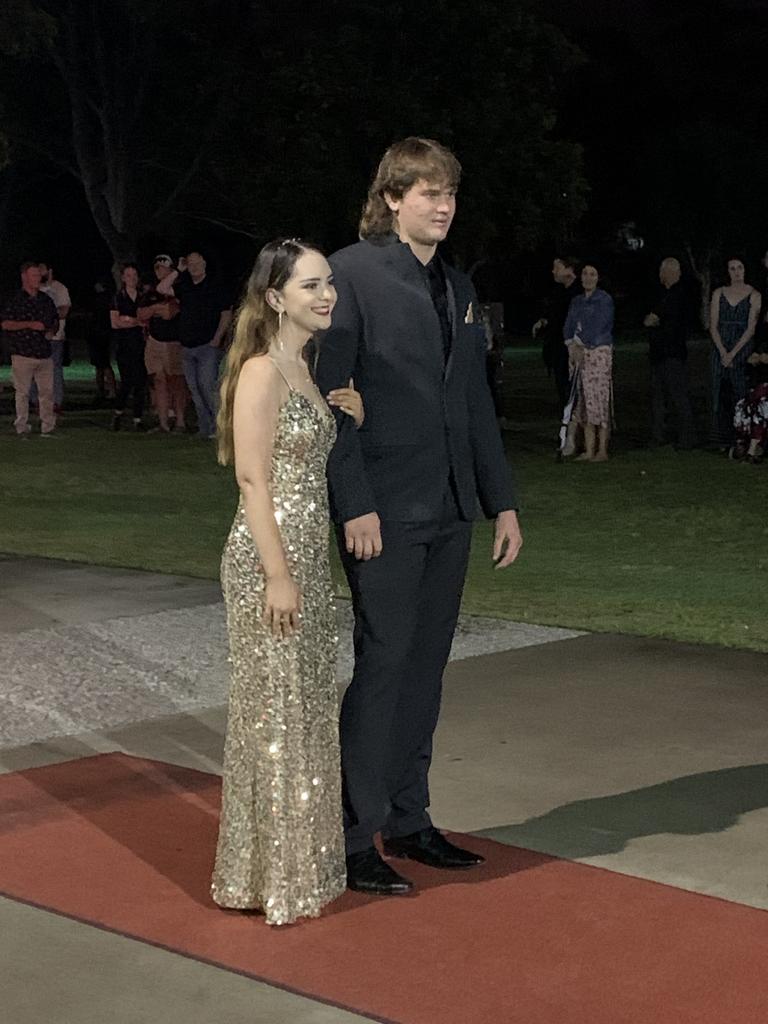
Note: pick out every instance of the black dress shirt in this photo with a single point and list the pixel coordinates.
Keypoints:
(23, 306)
(434, 278)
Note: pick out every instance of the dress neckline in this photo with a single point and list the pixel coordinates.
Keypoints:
(729, 303)
(322, 412)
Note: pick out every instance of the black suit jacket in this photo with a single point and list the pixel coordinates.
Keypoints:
(424, 420)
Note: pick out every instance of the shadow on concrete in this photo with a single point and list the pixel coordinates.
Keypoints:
(691, 805)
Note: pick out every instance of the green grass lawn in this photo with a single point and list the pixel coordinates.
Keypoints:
(657, 543)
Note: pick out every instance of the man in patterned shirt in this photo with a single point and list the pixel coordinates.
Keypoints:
(29, 320)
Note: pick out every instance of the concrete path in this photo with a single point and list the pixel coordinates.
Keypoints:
(641, 756)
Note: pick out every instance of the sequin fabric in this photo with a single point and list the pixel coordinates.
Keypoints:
(281, 845)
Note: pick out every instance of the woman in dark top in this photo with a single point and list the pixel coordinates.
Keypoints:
(732, 321)
(128, 335)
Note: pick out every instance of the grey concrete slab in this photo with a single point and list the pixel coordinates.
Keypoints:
(80, 676)
(58, 971)
(71, 593)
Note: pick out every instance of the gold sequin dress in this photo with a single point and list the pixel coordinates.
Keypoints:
(281, 840)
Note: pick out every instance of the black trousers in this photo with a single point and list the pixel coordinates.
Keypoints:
(406, 604)
(133, 375)
(669, 393)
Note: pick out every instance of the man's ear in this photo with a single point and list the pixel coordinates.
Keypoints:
(392, 202)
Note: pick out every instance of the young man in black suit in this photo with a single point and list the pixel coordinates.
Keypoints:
(403, 491)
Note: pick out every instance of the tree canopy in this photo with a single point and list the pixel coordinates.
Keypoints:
(259, 119)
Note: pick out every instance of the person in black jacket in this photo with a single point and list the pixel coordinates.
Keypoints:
(403, 491)
(668, 351)
(549, 327)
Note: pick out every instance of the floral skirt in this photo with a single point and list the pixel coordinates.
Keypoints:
(751, 416)
(593, 405)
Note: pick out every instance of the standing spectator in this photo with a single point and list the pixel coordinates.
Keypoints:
(163, 354)
(733, 318)
(588, 333)
(206, 313)
(100, 341)
(549, 327)
(128, 335)
(668, 352)
(29, 321)
(60, 295)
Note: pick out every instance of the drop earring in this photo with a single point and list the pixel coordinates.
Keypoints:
(280, 345)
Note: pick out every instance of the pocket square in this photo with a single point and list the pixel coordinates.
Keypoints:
(470, 316)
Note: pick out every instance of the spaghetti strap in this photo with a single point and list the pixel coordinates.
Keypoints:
(279, 370)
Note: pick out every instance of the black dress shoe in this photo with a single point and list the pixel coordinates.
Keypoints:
(431, 847)
(367, 872)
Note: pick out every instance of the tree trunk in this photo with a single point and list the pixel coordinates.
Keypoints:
(701, 265)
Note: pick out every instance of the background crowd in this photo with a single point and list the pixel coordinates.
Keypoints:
(167, 331)
(577, 333)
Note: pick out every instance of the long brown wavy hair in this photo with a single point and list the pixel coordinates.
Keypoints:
(256, 324)
(403, 164)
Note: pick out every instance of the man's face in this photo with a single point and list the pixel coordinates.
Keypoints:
(425, 213)
(560, 272)
(30, 278)
(130, 277)
(196, 264)
(669, 274)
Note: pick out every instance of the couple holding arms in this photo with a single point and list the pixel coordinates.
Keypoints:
(300, 810)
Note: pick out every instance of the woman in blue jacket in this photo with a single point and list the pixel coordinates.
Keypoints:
(588, 333)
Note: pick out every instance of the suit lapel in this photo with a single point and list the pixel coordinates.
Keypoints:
(453, 315)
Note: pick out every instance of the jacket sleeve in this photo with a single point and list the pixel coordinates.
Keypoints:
(493, 477)
(609, 317)
(570, 322)
(349, 489)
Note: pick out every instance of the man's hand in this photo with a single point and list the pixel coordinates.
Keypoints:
(651, 320)
(507, 540)
(538, 326)
(363, 536)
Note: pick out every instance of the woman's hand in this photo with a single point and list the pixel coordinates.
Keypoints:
(282, 606)
(726, 359)
(349, 401)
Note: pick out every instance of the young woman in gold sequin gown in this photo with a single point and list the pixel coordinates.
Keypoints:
(281, 845)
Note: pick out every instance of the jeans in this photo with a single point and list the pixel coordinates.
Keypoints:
(201, 370)
(57, 355)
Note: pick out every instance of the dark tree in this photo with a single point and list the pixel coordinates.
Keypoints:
(257, 118)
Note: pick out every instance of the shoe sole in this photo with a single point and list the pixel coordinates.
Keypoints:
(441, 867)
(380, 892)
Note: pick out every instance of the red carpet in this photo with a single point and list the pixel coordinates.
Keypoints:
(127, 844)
